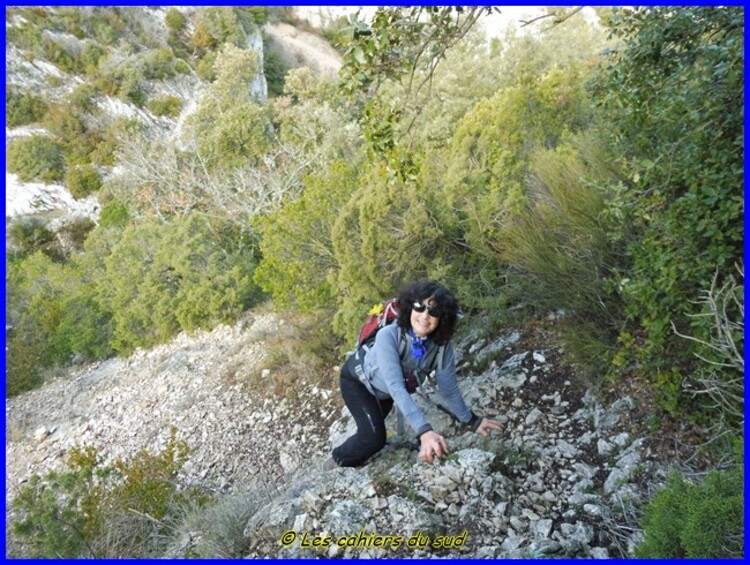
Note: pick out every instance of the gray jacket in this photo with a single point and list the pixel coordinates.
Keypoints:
(383, 371)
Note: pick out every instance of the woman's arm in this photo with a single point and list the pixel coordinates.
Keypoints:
(389, 377)
(447, 385)
(451, 393)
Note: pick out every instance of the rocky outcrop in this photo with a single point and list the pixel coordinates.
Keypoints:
(562, 479)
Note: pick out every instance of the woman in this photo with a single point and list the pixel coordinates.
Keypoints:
(374, 378)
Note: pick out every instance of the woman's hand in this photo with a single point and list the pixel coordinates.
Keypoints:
(486, 425)
(433, 444)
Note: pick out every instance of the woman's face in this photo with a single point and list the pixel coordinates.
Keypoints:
(423, 323)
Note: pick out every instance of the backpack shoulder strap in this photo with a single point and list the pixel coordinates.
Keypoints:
(401, 343)
(440, 355)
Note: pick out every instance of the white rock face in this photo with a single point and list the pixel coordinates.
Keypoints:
(32, 198)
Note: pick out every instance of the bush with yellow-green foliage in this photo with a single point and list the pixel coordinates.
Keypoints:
(163, 277)
(23, 108)
(67, 124)
(165, 106)
(35, 158)
(52, 314)
(132, 286)
(219, 25)
(385, 236)
(482, 175)
(115, 134)
(27, 236)
(229, 128)
(98, 510)
(82, 181)
(564, 246)
(298, 265)
(158, 64)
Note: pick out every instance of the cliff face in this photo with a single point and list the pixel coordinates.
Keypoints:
(560, 480)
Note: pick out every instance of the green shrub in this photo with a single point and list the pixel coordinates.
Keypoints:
(92, 509)
(125, 81)
(84, 327)
(23, 108)
(298, 266)
(82, 181)
(70, 132)
(561, 249)
(161, 278)
(221, 25)
(108, 26)
(379, 246)
(202, 41)
(204, 68)
(275, 69)
(23, 362)
(181, 67)
(129, 288)
(130, 89)
(158, 64)
(82, 97)
(74, 233)
(696, 521)
(61, 57)
(92, 55)
(35, 158)
(230, 128)
(672, 93)
(118, 130)
(114, 214)
(258, 15)
(34, 287)
(165, 106)
(176, 21)
(26, 237)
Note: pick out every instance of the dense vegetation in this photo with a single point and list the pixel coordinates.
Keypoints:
(593, 171)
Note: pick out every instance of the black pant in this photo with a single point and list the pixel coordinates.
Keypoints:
(369, 413)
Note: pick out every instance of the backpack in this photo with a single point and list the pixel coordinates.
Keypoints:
(378, 317)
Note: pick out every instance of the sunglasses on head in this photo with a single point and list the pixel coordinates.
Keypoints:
(433, 311)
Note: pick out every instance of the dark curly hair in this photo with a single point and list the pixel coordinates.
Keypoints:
(419, 291)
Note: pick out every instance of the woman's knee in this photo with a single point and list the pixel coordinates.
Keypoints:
(373, 442)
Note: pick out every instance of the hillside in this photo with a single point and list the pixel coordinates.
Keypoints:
(562, 479)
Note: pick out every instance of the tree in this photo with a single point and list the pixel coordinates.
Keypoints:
(673, 95)
(391, 50)
(299, 266)
(229, 128)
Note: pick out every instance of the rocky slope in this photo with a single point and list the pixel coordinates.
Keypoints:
(561, 479)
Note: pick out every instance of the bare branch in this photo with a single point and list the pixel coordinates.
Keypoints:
(558, 19)
(723, 379)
